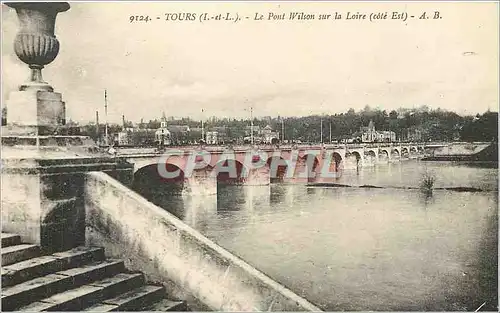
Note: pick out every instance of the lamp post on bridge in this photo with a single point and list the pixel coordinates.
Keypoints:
(321, 130)
(330, 132)
(321, 124)
(202, 127)
(251, 125)
(282, 130)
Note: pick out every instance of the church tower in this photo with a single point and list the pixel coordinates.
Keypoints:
(163, 121)
(371, 126)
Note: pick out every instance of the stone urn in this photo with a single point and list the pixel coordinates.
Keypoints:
(35, 43)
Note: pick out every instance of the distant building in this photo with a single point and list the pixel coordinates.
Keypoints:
(124, 137)
(196, 135)
(269, 136)
(180, 134)
(414, 135)
(370, 134)
(162, 134)
(222, 134)
(121, 138)
(212, 138)
(256, 130)
(262, 135)
(179, 129)
(217, 135)
(142, 137)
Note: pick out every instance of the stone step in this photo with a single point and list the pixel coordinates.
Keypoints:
(32, 290)
(26, 270)
(18, 253)
(135, 300)
(168, 305)
(87, 295)
(10, 240)
(94, 271)
(74, 280)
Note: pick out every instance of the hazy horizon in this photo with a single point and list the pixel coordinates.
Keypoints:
(278, 68)
(208, 117)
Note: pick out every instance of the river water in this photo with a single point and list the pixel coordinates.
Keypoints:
(364, 249)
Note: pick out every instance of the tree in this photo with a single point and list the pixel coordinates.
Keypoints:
(393, 115)
(480, 128)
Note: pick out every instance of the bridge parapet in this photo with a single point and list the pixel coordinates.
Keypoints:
(267, 148)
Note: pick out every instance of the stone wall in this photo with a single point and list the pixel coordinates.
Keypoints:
(157, 243)
(42, 199)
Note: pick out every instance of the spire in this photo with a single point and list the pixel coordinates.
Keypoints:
(163, 120)
(371, 126)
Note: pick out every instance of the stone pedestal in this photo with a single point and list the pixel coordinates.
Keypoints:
(35, 112)
(43, 165)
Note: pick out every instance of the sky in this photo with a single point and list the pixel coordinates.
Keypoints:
(286, 68)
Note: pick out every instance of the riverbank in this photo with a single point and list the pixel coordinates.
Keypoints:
(457, 189)
(488, 154)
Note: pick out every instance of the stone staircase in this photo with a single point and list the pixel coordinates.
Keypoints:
(81, 279)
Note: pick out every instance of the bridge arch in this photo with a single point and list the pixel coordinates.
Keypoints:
(413, 149)
(277, 168)
(337, 157)
(307, 156)
(353, 158)
(372, 154)
(151, 184)
(404, 151)
(356, 154)
(384, 154)
(233, 175)
(334, 161)
(302, 166)
(395, 153)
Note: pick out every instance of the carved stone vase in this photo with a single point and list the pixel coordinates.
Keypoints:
(35, 109)
(35, 43)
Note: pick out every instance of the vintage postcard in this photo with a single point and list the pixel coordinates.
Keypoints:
(249, 156)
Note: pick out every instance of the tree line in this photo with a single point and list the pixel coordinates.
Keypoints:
(434, 125)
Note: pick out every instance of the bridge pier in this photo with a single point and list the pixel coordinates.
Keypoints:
(371, 157)
(258, 177)
(353, 160)
(329, 168)
(201, 182)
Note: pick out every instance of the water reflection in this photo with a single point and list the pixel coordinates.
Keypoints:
(285, 195)
(278, 193)
(198, 211)
(426, 199)
(241, 197)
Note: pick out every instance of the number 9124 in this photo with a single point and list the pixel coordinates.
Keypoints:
(139, 18)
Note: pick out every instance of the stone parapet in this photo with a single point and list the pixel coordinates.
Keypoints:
(169, 251)
(42, 193)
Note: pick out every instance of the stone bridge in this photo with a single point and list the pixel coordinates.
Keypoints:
(202, 168)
